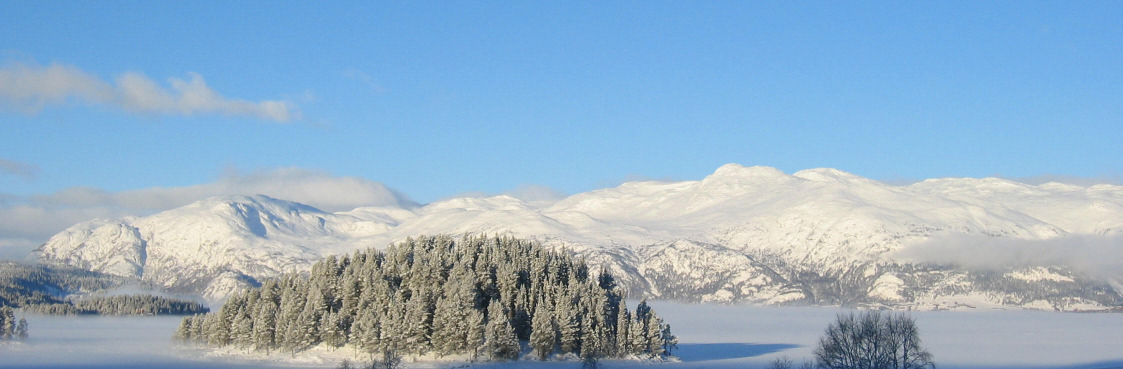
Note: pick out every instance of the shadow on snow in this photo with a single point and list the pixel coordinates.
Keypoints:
(691, 352)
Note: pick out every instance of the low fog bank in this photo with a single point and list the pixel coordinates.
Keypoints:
(104, 342)
(1093, 255)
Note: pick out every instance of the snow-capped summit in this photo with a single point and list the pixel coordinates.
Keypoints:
(740, 234)
(217, 242)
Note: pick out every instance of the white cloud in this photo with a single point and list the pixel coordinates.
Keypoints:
(18, 169)
(26, 222)
(1096, 255)
(30, 88)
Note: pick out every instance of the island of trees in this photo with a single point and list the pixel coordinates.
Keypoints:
(477, 296)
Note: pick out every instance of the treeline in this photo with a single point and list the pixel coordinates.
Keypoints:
(22, 285)
(478, 296)
(121, 305)
(44, 290)
(10, 328)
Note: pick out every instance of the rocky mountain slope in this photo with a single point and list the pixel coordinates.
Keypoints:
(754, 234)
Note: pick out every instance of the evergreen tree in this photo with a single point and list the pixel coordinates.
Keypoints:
(22, 329)
(419, 313)
(543, 334)
(216, 328)
(197, 328)
(367, 332)
(477, 335)
(655, 336)
(7, 322)
(501, 343)
(623, 330)
(332, 330)
(569, 324)
(242, 328)
(640, 332)
(670, 341)
(394, 325)
(451, 317)
(310, 320)
(265, 325)
(183, 333)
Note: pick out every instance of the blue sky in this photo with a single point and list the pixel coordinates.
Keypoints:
(437, 99)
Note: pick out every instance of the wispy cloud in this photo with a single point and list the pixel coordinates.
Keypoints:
(30, 88)
(18, 169)
(536, 194)
(365, 79)
(26, 222)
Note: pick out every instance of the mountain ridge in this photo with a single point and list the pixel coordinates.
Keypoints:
(767, 236)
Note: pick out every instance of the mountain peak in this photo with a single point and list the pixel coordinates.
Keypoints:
(755, 233)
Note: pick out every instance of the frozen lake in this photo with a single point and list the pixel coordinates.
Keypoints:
(747, 336)
(711, 336)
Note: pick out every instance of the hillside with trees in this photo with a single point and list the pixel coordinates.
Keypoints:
(66, 291)
(476, 296)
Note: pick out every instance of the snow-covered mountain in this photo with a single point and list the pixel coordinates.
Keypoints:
(741, 234)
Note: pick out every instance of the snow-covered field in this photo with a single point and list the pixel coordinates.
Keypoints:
(711, 336)
(752, 336)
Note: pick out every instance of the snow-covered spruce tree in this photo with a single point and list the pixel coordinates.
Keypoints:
(22, 329)
(668, 339)
(451, 317)
(475, 295)
(648, 335)
(500, 341)
(476, 336)
(10, 328)
(638, 330)
(7, 322)
(569, 323)
(543, 334)
(623, 330)
(332, 330)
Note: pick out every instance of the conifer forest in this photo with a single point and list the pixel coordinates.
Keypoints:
(44, 289)
(484, 297)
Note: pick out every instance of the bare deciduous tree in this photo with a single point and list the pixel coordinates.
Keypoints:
(872, 340)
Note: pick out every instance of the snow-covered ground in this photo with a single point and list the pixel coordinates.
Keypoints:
(711, 336)
(752, 336)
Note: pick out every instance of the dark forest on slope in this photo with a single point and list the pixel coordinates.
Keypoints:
(66, 291)
(478, 296)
